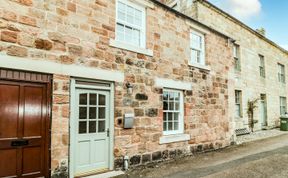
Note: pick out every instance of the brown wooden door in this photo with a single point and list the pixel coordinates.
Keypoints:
(23, 129)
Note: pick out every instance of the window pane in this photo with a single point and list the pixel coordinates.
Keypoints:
(121, 11)
(171, 106)
(101, 126)
(176, 116)
(176, 125)
(165, 105)
(102, 100)
(136, 37)
(92, 99)
(165, 126)
(138, 17)
(82, 113)
(177, 106)
(195, 56)
(196, 41)
(170, 116)
(130, 15)
(120, 32)
(83, 99)
(171, 96)
(165, 115)
(92, 113)
(128, 34)
(82, 127)
(170, 126)
(92, 127)
(101, 113)
(165, 96)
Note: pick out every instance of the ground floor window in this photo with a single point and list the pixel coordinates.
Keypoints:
(173, 112)
(238, 103)
(283, 105)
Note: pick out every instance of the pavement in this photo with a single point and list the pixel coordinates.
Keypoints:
(256, 157)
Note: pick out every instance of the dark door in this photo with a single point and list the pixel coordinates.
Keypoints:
(24, 125)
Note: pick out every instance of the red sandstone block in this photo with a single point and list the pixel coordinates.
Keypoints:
(8, 15)
(27, 20)
(9, 36)
(17, 51)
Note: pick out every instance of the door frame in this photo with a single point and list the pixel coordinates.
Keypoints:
(106, 86)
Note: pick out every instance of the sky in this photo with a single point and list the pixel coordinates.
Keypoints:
(269, 14)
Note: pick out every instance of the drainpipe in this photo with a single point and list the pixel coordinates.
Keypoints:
(126, 163)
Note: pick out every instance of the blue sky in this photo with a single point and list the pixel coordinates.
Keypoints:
(270, 14)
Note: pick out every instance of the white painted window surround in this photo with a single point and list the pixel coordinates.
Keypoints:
(172, 84)
(130, 31)
(58, 68)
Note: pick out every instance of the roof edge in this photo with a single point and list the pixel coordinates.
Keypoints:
(212, 6)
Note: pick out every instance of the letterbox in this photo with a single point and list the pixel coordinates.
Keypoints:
(128, 120)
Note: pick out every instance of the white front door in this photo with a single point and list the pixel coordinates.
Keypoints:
(263, 111)
(92, 131)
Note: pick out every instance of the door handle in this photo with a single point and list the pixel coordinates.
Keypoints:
(108, 132)
(20, 143)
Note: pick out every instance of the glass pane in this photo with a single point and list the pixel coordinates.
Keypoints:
(128, 34)
(176, 125)
(170, 116)
(92, 127)
(121, 11)
(164, 116)
(138, 17)
(82, 113)
(177, 106)
(171, 96)
(92, 99)
(136, 37)
(101, 112)
(101, 126)
(176, 116)
(196, 41)
(170, 125)
(92, 113)
(194, 56)
(102, 100)
(165, 105)
(82, 127)
(165, 96)
(120, 32)
(83, 99)
(177, 96)
(171, 106)
(164, 126)
(130, 15)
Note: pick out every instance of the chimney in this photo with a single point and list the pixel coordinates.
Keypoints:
(261, 31)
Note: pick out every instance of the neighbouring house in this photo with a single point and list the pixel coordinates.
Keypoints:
(84, 84)
(260, 65)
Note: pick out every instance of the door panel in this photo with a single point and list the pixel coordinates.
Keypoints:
(23, 133)
(92, 124)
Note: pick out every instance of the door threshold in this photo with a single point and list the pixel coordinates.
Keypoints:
(106, 174)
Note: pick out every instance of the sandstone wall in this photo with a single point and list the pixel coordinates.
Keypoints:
(78, 32)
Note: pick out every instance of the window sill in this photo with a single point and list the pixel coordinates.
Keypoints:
(121, 45)
(174, 138)
(200, 66)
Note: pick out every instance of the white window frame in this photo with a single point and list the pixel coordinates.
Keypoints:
(181, 114)
(202, 49)
(143, 25)
(262, 66)
(236, 57)
(238, 103)
(283, 105)
(281, 73)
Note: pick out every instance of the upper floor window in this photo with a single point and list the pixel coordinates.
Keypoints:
(197, 47)
(173, 112)
(130, 23)
(262, 66)
(281, 73)
(236, 55)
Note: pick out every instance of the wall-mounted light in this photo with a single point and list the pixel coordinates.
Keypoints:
(129, 88)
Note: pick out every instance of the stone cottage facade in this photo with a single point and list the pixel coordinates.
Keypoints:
(78, 71)
(260, 65)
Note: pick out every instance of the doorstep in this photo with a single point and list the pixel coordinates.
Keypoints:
(106, 174)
